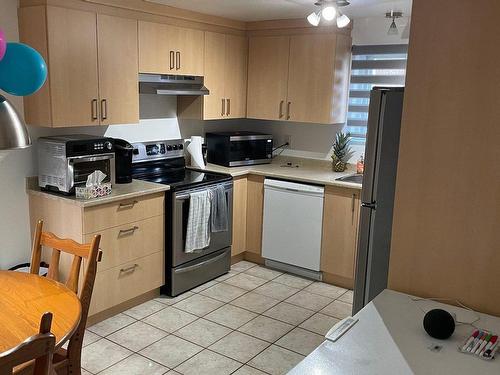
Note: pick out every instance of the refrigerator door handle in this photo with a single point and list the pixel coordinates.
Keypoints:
(369, 205)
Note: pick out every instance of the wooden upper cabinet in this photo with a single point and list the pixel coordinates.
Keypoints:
(118, 69)
(92, 67)
(73, 71)
(311, 78)
(165, 49)
(267, 77)
(188, 46)
(215, 73)
(225, 72)
(339, 239)
(154, 55)
(235, 79)
(301, 78)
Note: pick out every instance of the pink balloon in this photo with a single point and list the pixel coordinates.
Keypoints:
(3, 44)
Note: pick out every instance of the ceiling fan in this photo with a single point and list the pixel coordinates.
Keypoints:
(329, 10)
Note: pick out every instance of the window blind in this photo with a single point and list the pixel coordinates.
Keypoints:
(374, 65)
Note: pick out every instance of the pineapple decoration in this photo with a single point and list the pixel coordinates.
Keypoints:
(341, 151)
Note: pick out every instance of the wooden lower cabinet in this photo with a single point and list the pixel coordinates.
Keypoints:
(239, 215)
(255, 211)
(132, 242)
(339, 240)
(127, 281)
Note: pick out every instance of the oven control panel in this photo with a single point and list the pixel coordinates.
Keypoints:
(167, 149)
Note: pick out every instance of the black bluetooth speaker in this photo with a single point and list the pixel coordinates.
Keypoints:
(439, 324)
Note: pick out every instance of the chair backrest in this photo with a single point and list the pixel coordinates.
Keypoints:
(39, 347)
(88, 251)
(91, 253)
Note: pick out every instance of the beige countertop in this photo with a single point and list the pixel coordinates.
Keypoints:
(303, 170)
(119, 192)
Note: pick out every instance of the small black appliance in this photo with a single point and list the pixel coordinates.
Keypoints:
(123, 161)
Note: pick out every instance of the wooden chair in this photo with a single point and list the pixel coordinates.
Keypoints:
(39, 348)
(68, 361)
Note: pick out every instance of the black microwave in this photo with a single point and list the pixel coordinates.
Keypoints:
(233, 149)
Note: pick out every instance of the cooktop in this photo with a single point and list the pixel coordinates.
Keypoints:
(158, 162)
(186, 178)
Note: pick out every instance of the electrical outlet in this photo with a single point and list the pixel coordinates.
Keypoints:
(288, 139)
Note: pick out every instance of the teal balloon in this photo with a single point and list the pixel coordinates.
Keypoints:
(22, 70)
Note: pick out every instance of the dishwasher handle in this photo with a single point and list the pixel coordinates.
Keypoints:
(293, 187)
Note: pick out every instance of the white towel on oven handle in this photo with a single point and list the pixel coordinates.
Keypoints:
(198, 226)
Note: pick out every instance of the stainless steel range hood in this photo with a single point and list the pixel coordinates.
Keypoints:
(165, 84)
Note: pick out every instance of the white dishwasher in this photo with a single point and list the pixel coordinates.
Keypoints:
(293, 217)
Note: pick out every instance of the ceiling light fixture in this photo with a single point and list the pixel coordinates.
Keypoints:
(393, 28)
(329, 12)
(314, 18)
(342, 21)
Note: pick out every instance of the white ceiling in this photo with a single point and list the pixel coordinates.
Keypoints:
(258, 10)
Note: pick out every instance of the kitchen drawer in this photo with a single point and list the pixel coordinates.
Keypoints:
(130, 241)
(129, 280)
(122, 212)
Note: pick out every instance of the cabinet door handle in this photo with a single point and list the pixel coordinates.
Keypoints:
(281, 108)
(94, 109)
(223, 107)
(177, 60)
(353, 206)
(104, 109)
(288, 110)
(129, 230)
(128, 205)
(172, 60)
(128, 269)
(228, 107)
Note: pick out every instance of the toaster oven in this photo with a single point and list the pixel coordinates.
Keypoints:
(65, 162)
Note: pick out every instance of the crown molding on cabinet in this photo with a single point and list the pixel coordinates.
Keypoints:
(292, 26)
(145, 11)
(154, 12)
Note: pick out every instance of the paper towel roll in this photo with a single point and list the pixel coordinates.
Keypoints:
(195, 150)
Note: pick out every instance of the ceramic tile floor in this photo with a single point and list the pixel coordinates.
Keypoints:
(251, 321)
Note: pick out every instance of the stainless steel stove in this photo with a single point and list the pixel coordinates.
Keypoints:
(163, 162)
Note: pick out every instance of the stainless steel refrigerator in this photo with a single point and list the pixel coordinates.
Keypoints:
(377, 195)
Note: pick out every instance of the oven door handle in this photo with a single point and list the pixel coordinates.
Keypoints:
(228, 186)
(199, 265)
(80, 159)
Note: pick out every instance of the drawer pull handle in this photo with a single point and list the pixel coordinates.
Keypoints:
(129, 230)
(129, 269)
(199, 265)
(128, 205)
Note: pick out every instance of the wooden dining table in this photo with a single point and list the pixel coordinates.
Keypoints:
(24, 298)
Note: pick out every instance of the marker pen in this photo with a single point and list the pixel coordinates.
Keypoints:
(476, 340)
(479, 342)
(470, 340)
(489, 345)
(491, 351)
(483, 344)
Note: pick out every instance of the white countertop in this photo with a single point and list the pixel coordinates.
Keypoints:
(119, 192)
(303, 170)
(389, 339)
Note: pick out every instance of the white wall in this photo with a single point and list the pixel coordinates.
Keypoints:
(14, 166)
(373, 30)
